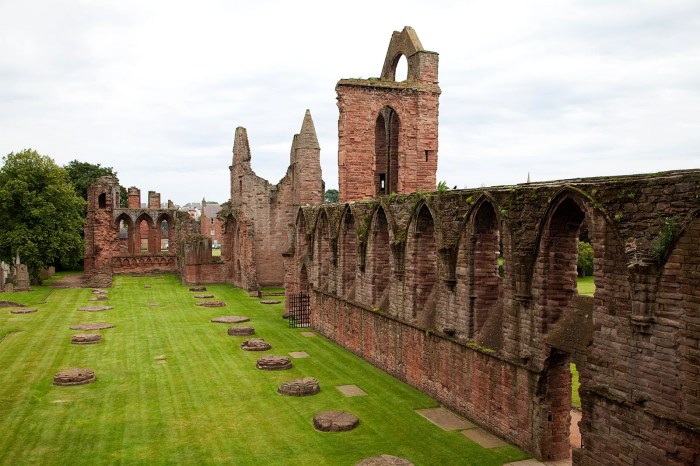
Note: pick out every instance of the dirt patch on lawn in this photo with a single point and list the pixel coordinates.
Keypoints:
(73, 280)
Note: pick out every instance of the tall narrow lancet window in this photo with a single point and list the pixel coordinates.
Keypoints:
(386, 151)
(484, 275)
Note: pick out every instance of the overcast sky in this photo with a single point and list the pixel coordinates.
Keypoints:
(155, 89)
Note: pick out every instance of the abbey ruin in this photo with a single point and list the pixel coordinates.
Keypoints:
(409, 278)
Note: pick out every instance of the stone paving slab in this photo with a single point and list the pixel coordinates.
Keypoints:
(534, 462)
(484, 438)
(299, 354)
(308, 334)
(445, 419)
(351, 390)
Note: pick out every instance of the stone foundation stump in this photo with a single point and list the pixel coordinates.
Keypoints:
(384, 460)
(86, 338)
(255, 344)
(241, 331)
(230, 319)
(274, 363)
(335, 421)
(73, 377)
(300, 387)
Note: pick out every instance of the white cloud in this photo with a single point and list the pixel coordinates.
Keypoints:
(156, 89)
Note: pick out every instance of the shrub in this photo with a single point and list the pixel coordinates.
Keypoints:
(584, 265)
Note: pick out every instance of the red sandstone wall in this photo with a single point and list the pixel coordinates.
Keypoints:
(106, 253)
(195, 274)
(264, 214)
(359, 103)
(635, 346)
(491, 391)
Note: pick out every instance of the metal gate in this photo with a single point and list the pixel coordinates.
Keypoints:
(299, 310)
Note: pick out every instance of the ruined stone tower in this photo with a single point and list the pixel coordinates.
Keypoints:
(388, 130)
(260, 220)
(100, 241)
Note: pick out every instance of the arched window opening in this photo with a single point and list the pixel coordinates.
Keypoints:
(303, 280)
(379, 256)
(400, 68)
(125, 236)
(484, 264)
(386, 151)
(557, 262)
(102, 201)
(301, 246)
(147, 236)
(164, 236)
(227, 238)
(348, 249)
(322, 255)
(421, 266)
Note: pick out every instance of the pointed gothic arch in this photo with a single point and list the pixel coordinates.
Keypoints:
(386, 151)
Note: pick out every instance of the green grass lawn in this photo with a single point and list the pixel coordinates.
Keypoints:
(207, 404)
(586, 286)
(575, 384)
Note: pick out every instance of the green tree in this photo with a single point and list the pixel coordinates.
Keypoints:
(331, 196)
(585, 259)
(40, 213)
(83, 174)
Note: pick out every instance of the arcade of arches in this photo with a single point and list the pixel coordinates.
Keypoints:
(412, 284)
(468, 295)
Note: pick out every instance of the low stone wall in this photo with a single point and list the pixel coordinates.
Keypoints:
(491, 391)
(196, 274)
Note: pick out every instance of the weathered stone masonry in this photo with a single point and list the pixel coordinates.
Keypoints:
(411, 284)
(259, 218)
(388, 130)
(131, 240)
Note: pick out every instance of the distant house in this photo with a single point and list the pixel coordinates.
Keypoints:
(192, 208)
(209, 224)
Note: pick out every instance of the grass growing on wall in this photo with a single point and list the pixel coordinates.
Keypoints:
(207, 403)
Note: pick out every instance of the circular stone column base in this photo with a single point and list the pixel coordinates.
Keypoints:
(204, 296)
(274, 363)
(211, 303)
(230, 319)
(300, 387)
(95, 308)
(91, 326)
(198, 288)
(241, 331)
(335, 421)
(255, 344)
(86, 338)
(73, 377)
(384, 460)
(270, 301)
(99, 298)
(24, 310)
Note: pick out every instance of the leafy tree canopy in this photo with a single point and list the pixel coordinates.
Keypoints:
(40, 212)
(331, 196)
(585, 259)
(83, 174)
